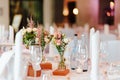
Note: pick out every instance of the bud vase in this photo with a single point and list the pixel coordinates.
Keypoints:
(62, 65)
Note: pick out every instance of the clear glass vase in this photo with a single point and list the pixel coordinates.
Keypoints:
(62, 65)
(43, 57)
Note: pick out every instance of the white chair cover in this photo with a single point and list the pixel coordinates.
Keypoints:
(109, 37)
(112, 50)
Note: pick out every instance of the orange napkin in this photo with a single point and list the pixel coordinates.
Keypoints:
(46, 65)
(58, 72)
(31, 72)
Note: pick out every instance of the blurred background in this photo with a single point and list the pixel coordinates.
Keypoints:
(47, 12)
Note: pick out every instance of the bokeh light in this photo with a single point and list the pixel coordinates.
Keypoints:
(75, 11)
(65, 12)
(112, 4)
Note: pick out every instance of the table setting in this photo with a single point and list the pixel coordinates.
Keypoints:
(39, 54)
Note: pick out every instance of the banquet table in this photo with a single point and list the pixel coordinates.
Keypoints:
(103, 67)
(73, 75)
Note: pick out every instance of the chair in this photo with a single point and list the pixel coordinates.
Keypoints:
(112, 50)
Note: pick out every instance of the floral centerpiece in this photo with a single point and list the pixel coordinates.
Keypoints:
(60, 42)
(29, 36)
(35, 36)
(45, 38)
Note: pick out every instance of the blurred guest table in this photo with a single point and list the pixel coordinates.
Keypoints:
(82, 76)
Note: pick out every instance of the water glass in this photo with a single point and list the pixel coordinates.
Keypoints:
(36, 57)
(46, 75)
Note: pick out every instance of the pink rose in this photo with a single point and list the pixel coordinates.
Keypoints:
(58, 42)
(59, 35)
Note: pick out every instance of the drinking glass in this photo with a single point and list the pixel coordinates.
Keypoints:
(82, 56)
(46, 75)
(36, 57)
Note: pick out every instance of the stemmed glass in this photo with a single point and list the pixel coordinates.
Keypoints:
(82, 54)
(36, 57)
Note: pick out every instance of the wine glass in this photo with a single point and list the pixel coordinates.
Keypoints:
(36, 57)
(82, 54)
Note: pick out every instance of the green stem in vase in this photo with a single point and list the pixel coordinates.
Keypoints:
(43, 58)
(62, 65)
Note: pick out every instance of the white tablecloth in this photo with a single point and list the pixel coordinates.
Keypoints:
(71, 76)
(75, 76)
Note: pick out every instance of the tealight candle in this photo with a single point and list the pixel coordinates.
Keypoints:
(79, 70)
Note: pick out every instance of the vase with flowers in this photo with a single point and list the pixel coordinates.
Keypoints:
(60, 42)
(29, 36)
(45, 39)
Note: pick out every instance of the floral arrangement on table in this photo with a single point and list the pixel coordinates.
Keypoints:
(29, 36)
(60, 42)
(45, 39)
(39, 35)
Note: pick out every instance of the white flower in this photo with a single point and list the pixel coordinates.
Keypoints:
(37, 40)
(24, 31)
(34, 29)
(29, 30)
(66, 40)
(46, 39)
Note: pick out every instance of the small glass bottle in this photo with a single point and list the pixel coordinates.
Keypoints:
(84, 53)
(73, 63)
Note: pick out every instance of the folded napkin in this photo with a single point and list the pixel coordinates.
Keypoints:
(5, 58)
(95, 56)
(92, 31)
(18, 57)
